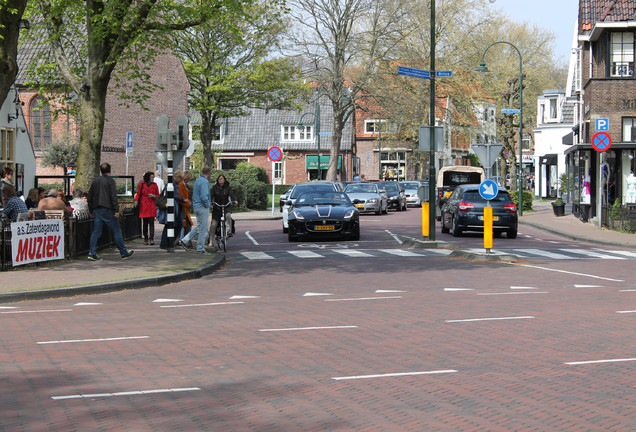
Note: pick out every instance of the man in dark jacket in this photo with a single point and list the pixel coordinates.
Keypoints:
(104, 207)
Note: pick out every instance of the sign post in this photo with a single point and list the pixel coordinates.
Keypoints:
(275, 154)
(488, 190)
(129, 153)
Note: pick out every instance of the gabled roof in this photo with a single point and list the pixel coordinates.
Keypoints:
(605, 13)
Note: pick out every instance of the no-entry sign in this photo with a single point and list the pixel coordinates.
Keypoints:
(601, 141)
(274, 154)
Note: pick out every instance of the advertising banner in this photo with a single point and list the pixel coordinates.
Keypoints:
(36, 241)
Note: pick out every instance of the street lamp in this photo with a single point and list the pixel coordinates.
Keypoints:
(483, 69)
(301, 126)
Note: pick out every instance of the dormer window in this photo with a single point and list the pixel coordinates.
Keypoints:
(622, 54)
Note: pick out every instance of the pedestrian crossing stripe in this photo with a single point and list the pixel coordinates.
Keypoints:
(529, 253)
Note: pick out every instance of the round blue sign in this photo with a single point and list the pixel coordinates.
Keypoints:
(488, 189)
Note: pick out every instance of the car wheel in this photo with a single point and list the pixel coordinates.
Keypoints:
(291, 236)
(406, 207)
(386, 209)
(379, 211)
(285, 230)
(512, 233)
(456, 231)
(399, 207)
(356, 234)
(445, 229)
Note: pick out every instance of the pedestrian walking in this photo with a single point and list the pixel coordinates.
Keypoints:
(104, 207)
(201, 206)
(145, 200)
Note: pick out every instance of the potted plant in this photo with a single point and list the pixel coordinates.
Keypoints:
(558, 206)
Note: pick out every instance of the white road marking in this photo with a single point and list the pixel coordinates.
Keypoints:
(313, 294)
(563, 271)
(166, 300)
(202, 304)
(626, 253)
(627, 311)
(395, 237)
(394, 375)
(489, 319)
(256, 255)
(522, 288)
(365, 298)
(236, 297)
(8, 307)
(87, 304)
(515, 293)
(130, 393)
(93, 340)
(247, 233)
(588, 286)
(400, 252)
(601, 361)
(388, 291)
(544, 253)
(37, 311)
(592, 254)
(627, 290)
(459, 289)
(305, 254)
(352, 253)
(306, 328)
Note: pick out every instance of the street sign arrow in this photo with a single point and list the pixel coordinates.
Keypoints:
(488, 189)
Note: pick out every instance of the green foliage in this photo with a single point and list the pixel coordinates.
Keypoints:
(563, 183)
(474, 160)
(527, 199)
(249, 183)
(61, 152)
(617, 212)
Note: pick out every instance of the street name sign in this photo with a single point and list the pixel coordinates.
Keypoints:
(443, 73)
(418, 73)
(510, 111)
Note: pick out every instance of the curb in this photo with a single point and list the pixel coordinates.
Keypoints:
(108, 287)
(574, 237)
(473, 256)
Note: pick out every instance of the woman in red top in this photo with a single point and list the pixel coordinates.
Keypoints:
(145, 199)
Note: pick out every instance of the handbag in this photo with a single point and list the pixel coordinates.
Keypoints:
(162, 200)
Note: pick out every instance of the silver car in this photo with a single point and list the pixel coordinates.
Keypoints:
(367, 198)
(410, 191)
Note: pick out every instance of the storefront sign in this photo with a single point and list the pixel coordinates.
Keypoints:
(36, 241)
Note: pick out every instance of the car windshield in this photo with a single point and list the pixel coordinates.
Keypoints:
(307, 187)
(410, 185)
(390, 187)
(361, 188)
(322, 198)
(473, 196)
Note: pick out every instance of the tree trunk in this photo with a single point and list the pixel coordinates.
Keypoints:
(9, 32)
(207, 126)
(92, 111)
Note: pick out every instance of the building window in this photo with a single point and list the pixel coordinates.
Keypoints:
(553, 108)
(40, 124)
(293, 133)
(622, 54)
(629, 129)
(278, 170)
(217, 133)
(228, 164)
(7, 148)
(376, 126)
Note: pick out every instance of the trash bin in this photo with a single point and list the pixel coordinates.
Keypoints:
(559, 209)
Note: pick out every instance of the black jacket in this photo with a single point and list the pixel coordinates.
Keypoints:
(221, 195)
(103, 193)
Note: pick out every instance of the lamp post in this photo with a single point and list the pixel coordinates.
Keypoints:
(482, 68)
(316, 115)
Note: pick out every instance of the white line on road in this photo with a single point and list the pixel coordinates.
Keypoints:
(247, 233)
(93, 340)
(522, 288)
(305, 254)
(37, 311)
(592, 254)
(627, 290)
(600, 361)
(306, 328)
(459, 289)
(588, 286)
(130, 393)
(489, 319)
(202, 304)
(400, 252)
(628, 311)
(563, 271)
(364, 298)
(395, 237)
(394, 375)
(313, 294)
(352, 253)
(514, 293)
(256, 255)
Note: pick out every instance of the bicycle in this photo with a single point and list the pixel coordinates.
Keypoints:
(221, 238)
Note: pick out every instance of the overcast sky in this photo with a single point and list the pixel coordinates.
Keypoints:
(558, 16)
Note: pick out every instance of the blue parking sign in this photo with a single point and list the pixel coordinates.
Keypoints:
(602, 124)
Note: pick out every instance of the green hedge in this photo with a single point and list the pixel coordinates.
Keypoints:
(249, 183)
(527, 199)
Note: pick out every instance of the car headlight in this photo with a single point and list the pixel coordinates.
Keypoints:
(373, 200)
(349, 214)
(298, 215)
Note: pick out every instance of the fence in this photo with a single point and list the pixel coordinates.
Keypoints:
(77, 234)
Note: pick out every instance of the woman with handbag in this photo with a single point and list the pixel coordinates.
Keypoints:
(145, 200)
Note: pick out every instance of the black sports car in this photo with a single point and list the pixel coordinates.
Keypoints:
(323, 215)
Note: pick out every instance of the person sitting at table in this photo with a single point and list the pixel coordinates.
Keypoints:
(13, 205)
(52, 202)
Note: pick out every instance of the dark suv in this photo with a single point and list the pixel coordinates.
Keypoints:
(464, 211)
(396, 198)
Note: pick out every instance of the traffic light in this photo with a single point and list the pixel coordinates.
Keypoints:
(163, 133)
(183, 131)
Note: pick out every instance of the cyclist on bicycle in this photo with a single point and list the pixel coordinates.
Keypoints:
(222, 192)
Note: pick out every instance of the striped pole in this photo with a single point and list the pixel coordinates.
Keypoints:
(170, 196)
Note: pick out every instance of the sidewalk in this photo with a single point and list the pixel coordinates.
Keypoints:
(151, 266)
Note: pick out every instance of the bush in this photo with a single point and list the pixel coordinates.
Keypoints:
(527, 199)
(249, 183)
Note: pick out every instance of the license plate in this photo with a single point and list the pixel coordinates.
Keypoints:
(324, 227)
(360, 205)
(493, 218)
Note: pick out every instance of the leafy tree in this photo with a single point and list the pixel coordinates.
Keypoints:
(11, 12)
(230, 67)
(61, 153)
(90, 40)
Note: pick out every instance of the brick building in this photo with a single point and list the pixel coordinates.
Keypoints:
(606, 90)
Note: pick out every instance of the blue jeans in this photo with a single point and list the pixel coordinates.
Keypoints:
(104, 216)
(201, 230)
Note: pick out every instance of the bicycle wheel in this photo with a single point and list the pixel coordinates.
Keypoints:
(223, 238)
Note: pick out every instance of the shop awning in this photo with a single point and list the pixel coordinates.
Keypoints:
(312, 162)
(568, 139)
(549, 159)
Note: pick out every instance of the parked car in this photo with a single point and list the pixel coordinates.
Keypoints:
(299, 188)
(411, 191)
(394, 194)
(367, 197)
(449, 177)
(464, 211)
(323, 214)
(283, 197)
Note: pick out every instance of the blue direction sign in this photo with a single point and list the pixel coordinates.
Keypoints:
(510, 111)
(129, 143)
(601, 141)
(418, 73)
(443, 73)
(488, 189)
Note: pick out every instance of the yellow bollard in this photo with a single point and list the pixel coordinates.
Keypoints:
(425, 228)
(488, 227)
